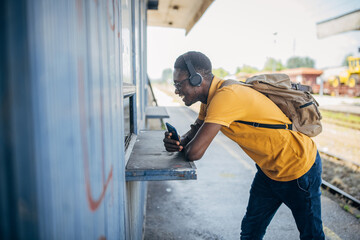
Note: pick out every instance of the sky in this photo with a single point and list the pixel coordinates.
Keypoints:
(236, 32)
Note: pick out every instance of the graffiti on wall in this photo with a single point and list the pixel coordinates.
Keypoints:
(112, 8)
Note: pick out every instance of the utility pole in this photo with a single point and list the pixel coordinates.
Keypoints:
(274, 62)
(294, 46)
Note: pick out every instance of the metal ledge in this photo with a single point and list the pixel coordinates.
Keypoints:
(149, 161)
(156, 112)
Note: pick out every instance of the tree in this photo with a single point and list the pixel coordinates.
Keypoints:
(220, 72)
(167, 75)
(273, 64)
(296, 62)
(247, 69)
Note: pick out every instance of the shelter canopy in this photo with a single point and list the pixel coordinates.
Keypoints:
(344, 23)
(177, 13)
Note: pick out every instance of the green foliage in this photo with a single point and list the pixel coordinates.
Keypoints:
(220, 72)
(345, 61)
(346, 208)
(345, 117)
(297, 62)
(342, 119)
(167, 75)
(247, 69)
(273, 64)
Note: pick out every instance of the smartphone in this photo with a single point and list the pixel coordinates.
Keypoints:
(172, 130)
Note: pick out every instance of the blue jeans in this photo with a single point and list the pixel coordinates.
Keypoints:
(301, 195)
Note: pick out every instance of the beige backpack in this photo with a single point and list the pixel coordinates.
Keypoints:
(294, 100)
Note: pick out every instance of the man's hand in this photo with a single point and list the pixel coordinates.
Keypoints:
(172, 145)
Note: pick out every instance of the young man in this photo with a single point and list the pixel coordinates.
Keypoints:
(288, 164)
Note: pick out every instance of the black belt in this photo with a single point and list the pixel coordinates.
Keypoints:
(271, 126)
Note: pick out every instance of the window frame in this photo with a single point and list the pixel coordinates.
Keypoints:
(129, 91)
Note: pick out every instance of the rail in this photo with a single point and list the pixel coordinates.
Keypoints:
(335, 190)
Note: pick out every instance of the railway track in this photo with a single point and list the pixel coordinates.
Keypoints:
(335, 190)
(338, 157)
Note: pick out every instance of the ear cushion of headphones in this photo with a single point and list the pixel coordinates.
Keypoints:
(196, 79)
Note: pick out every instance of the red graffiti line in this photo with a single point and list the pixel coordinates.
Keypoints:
(93, 204)
(79, 13)
(112, 26)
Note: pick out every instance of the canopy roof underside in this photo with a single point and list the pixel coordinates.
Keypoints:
(178, 13)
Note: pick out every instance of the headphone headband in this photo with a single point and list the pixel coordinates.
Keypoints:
(189, 65)
(195, 77)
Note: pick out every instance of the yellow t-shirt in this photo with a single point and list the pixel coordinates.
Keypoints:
(283, 155)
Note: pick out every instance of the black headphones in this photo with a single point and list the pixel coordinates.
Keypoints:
(195, 78)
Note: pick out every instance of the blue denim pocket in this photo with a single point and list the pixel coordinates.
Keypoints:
(304, 182)
(311, 177)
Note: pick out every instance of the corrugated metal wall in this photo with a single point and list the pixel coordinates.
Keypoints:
(62, 125)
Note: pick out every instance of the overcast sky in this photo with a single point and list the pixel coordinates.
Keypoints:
(235, 32)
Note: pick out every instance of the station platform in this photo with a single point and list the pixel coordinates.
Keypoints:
(213, 206)
(339, 104)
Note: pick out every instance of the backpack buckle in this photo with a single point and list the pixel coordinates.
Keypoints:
(296, 86)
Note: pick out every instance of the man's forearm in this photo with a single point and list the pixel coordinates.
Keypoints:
(187, 137)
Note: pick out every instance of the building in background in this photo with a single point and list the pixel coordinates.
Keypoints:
(343, 19)
(305, 76)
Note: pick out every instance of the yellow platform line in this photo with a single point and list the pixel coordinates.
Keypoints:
(330, 234)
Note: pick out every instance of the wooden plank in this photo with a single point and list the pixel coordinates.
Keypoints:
(149, 161)
(156, 112)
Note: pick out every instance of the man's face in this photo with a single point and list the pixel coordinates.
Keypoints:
(183, 87)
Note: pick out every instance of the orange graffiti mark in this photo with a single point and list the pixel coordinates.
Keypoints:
(110, 17)
(79, 13)
(111, 23)
(93, 204)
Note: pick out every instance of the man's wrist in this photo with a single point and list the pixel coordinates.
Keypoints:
(184, 141)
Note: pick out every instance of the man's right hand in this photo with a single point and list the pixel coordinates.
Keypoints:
(171, 145)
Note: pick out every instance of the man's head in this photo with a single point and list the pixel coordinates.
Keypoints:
(199, 61)
(189, 65)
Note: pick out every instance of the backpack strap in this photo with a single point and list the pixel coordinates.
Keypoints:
(271, 126)
(232, 82)
(255, 124)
